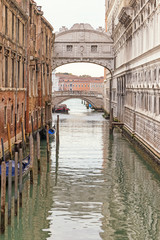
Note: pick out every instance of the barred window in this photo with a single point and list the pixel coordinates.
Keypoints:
(94, 48)
(69, 48)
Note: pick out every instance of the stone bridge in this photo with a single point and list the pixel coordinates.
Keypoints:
(95, 99)
(82, 43)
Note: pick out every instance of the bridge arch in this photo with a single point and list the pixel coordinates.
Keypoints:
(96, 100)
(82, 43)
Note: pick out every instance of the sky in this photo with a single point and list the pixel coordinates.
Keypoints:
(68, 12)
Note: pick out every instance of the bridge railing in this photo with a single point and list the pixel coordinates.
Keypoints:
(76, 93)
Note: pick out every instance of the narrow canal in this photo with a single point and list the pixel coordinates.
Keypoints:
(98, 187)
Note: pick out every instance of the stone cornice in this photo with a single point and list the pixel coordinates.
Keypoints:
(47, 23)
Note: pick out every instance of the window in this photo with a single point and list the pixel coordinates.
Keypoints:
(5, 115)
(46, 44)
(30, 117)
(18, 30)
(12, 26)
(18, 83)
(6, 20)
(23, 34)
(69, 48)
(12, 114)
(12, 72)
(94, 48)
(22, 110)
(154, 104)
(17, 113)
(155, 72)
(23, 77)
(6, 71)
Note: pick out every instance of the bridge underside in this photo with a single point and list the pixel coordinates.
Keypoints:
(96, 102)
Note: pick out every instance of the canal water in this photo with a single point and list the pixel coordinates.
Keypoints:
(96, 187)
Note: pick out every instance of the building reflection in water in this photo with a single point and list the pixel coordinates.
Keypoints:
(131, 206)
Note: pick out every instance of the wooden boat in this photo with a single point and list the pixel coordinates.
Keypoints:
(25, 167)
(61, 109)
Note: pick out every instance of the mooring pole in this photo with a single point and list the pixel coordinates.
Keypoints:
(20, 177)
(31, 158)
(3, 155)
(57, 131)
(9, 191)
(16, 184)
(38, 152)
(110, 104)
(47, 136)
(9, 140)
(3, 195)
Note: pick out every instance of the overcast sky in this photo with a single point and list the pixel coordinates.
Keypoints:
(68, 12)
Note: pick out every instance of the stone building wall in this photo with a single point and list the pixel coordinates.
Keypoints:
(135, 28)
(40, 38)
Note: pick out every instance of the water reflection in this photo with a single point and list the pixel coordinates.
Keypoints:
(95, 187)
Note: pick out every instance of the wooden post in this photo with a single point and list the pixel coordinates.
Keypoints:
(16, 183)
(57, 131)
(23, 134)
(3, 156)
(3, 195)
(57, 158)
(47, 136)
(9, 140)
(9, 191)
(32, 125)
(20, 176)
(111, 121)
(38, 152)
(31, 158)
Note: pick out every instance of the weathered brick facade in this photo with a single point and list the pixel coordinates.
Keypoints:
(12, 69)
(26, 40)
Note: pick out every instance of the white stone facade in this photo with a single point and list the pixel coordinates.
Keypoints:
(82, 43)
(135, 28)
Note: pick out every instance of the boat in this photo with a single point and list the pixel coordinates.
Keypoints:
(62, 108)
(25, 167)
(51, 132)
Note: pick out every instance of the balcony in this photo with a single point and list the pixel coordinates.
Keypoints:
(125, 16)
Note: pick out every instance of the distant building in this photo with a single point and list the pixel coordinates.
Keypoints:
(69, 82)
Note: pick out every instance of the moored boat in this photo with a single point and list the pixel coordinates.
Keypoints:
(25, 167)
(62, 108)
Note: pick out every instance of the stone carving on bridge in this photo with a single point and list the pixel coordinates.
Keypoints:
(82, 43)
